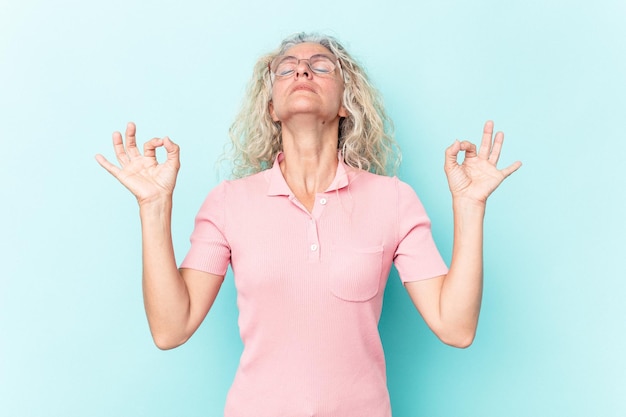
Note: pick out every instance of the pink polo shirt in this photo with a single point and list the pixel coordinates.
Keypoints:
(310, 286)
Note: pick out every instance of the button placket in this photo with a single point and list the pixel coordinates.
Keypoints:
(314, 246)
(314, 249)
(321, 201)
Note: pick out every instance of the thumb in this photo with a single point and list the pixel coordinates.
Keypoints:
(172, 149)
(451, 155)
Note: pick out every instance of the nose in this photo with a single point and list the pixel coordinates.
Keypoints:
(303, 69)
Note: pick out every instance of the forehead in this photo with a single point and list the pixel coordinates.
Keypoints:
(306, 50)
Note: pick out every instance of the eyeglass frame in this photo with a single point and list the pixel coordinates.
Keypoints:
(335, 60)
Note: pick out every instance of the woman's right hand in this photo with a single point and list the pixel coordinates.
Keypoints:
(148, 180)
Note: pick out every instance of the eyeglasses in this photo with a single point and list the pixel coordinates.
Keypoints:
(321, 64)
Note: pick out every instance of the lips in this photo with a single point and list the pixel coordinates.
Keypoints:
(303, 87)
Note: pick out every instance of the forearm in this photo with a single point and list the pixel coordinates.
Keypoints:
(461, 292)
(166, 297)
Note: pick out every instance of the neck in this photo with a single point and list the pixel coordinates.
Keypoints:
(310, 159)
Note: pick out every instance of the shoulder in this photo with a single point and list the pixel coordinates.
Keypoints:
(257, 182)
(233, 187)
(232, 195)
(386, 185)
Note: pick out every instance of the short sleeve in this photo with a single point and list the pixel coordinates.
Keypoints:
(210, 251)
(416, 256)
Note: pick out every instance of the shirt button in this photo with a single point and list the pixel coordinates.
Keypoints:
(314, 247)
(322, 201)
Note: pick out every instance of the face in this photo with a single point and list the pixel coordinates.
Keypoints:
(306, 92)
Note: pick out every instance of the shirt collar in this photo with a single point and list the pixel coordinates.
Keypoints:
(278, 185)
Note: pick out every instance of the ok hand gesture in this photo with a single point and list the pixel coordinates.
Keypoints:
(142, 174)
(477, 177)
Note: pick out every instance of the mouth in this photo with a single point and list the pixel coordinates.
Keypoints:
(303, 87)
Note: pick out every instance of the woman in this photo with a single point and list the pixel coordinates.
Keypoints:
(310, 231)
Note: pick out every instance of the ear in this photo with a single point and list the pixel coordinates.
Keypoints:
(342, 111)
(270, 107)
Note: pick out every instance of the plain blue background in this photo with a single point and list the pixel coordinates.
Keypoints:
(552, 74)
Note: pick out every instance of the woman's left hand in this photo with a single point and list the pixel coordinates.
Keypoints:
(477, 177)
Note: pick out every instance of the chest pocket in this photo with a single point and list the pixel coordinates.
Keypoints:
(355, 272)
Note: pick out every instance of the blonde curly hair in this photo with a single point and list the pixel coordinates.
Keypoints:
(365, 136)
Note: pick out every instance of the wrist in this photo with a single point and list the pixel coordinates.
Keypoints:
(468, 207)
(156, 205)
(467, 202)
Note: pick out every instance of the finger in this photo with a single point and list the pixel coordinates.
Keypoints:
(494, 156)
(511, 168)
(104, 163)
(469, 148)
(149, 148)
(452, 152)
(131, 140)
(120, 151)
(485, 144)
(173, 151)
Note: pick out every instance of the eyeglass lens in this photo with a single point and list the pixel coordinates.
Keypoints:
(285, 66)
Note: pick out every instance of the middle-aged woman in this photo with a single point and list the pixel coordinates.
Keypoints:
(311, 231)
